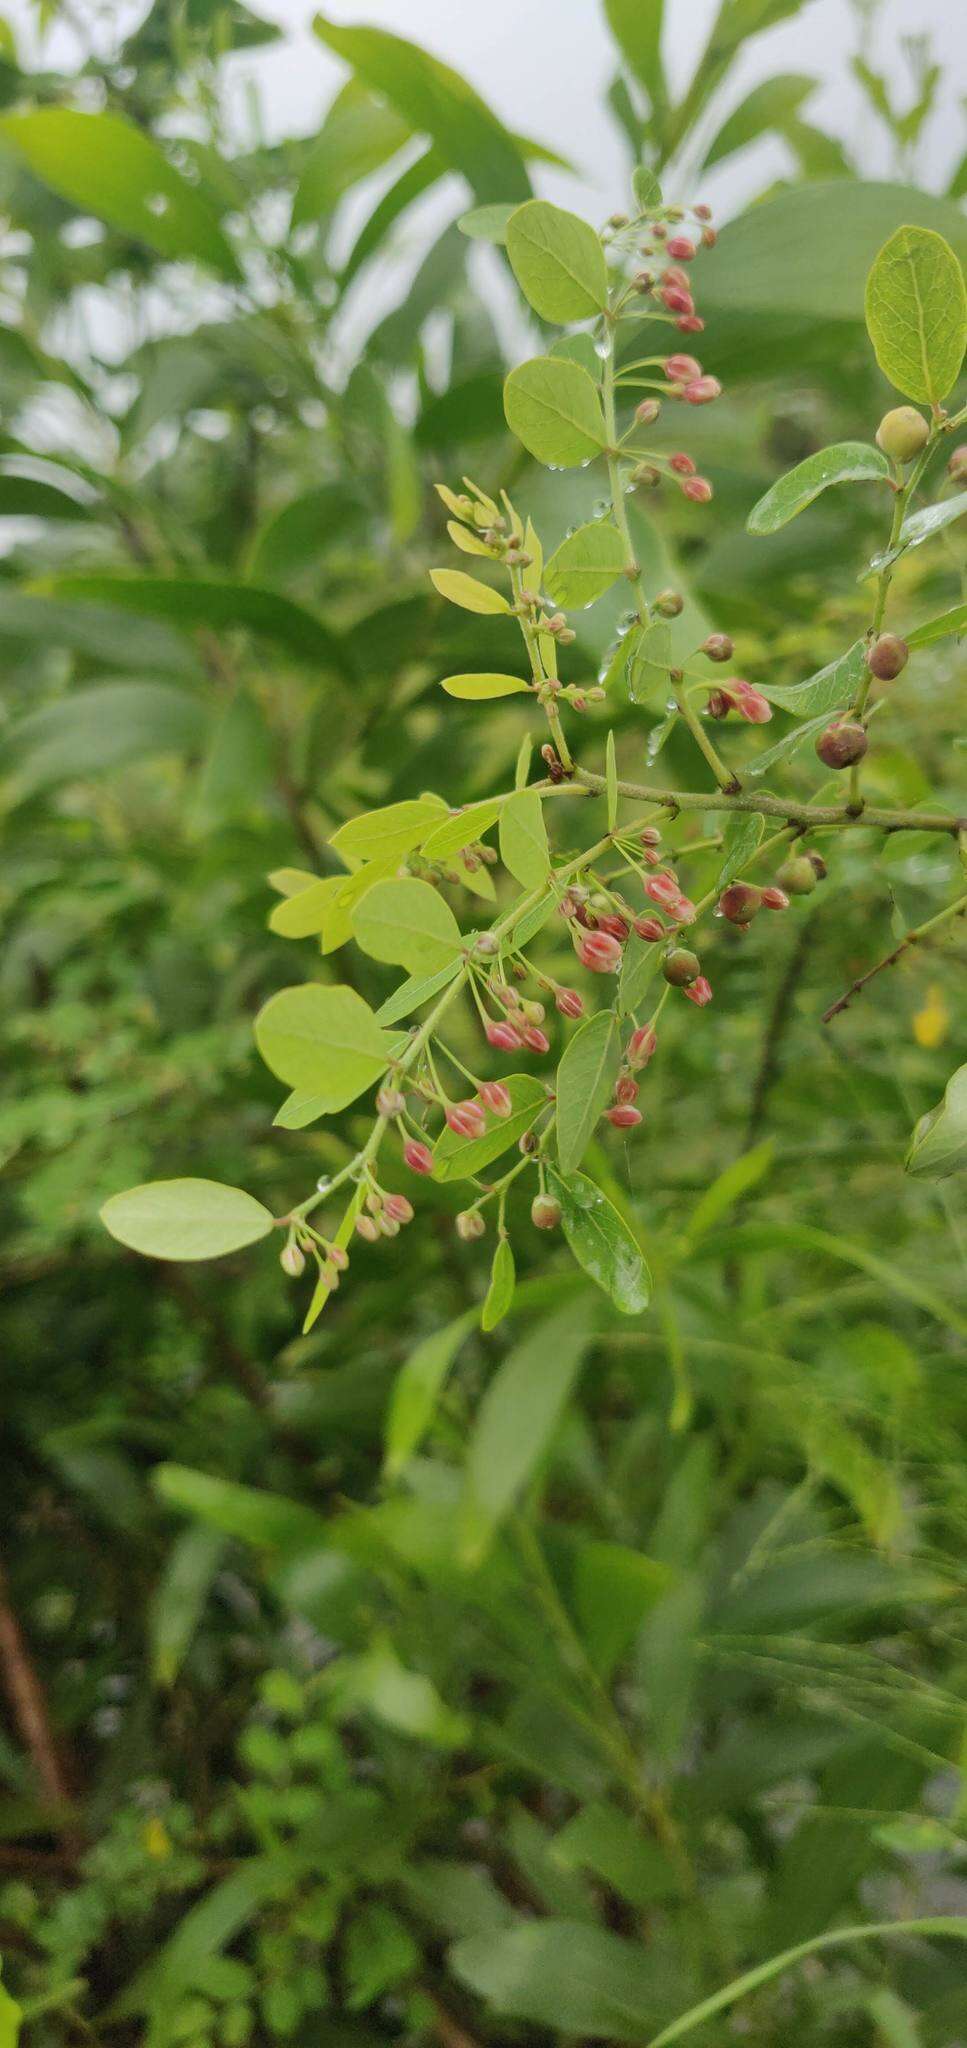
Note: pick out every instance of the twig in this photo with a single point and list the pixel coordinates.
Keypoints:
(28, 1704)
(804, 815)
(775, 1030)
(910, 939)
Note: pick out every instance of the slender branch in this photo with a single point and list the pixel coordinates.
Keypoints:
(910, 939)
(804, 815)
(28, 1704)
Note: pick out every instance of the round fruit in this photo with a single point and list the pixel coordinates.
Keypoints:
(840, 745)
(902, 433)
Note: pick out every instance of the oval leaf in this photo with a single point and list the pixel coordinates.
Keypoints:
(500, 1293)
(916, 313)
(827, 691)
(585, 565)
(558, 262)
(477, 688)
(324, 1040)
(553, 408)
(585, 1080)
(919, 527)
(939, 1143)
(847, 462)
(471, 596)
(409, 924)
(601, 1241)
(185, 1219)
(523, 839)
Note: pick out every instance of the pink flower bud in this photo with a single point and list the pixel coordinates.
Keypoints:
(663, 888)
(569, 1002)
(465, 1119)
(611, 922)
(417, 1157)
(399, 1208)
(624, 1116)
(600, 952)
(625, 1088)
(709, 237)
(496, 1098)
(775, 899)
(702, 390)
(338, 1257)
(690, 324)
(365, 1227)
(649, 929)
(698, 489)
(641, 1046)
(681, 248)
(702, 212)
(647, 412)
(503, 1036)
(650, 836)
(681, 464)
(292, 1260)
(535, 1039)
(677, 299)
(683, 910)
(749, 702)
(681, 369)
(674, 275)
(699, 992)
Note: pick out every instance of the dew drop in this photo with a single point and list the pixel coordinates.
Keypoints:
(323, 1184)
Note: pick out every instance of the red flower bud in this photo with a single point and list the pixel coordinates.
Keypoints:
(650, 836)
(641, 1046)
(683, 910)
(399, 1208)
(611, 922)
(702, 390)
(681, 248)
(625, 1088)
(569, 1002)
(466, 1119)
(600, 952)
(496, 1098)
(775, 899)
(624, 1116)
(674, 275)
(649, 929)
(418, 1157)
(752, 704)
(677, 299)
(663, 888)
(647, 412)
(535, 1039)
(545, 1212)
(682, 465)
(503, 1036)
(699, 992)
(690, 324)
(702, 212)
(698, 489)
(681, 369)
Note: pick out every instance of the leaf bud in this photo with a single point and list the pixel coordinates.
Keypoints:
(680, 967)
(840, 745)
(545, 1212)
(888, 657)
(902, 433)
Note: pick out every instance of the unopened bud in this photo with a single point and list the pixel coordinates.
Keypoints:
(887, 657)
(680, 967)
(645, 474)
(399, 1207)
(465, 1119)
(718, 647)
(545, 1212)
(669, 603)
(650, 929)
(292, 1260)
(702, 391)
(774, 899)
(700, 992)
(698, 489)
(470, 1224)
(624, 1116)
(690, 323)
(647, 412)
(600, 952)
(957, 466)
(819, 865)
(681, 463)
(677, 299)
(390, 1102)
(496, 1098)
(902, 433)
(681, 369)
(367, 1228)
(641, 1046)
(569, 1002)
(625, 1088)
(681, 248)
(417, 1156)
(840, 745)
(535, 1039)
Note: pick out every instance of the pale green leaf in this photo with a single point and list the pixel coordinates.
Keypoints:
(500, 1293)
(585, 565)
(916, 313)
(523, 839)
(516, 1421)
(465, 829)
(409, 924)
(739, 842)
(585, 1084)
(558, 262)
(639, 962)
(185, 1219)
(487, 223)
(942, 627)
(325, 1040)
(456, 1158)
(476, 689)
(417, 1388)
(828, 690)
(847, 462)
(939, 1143)
(553, 408)
(467, 592)
(768, 106)
(920, 526)
(390, 833)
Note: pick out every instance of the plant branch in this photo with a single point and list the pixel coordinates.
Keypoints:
(910, 939)
(806, 816)
(28, 1704)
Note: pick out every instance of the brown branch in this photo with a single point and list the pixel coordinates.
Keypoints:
(775, 1030)
(28, 1704)
(806, 816)
(909, 940)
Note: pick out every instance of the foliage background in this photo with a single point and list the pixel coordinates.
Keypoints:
(301, 1771)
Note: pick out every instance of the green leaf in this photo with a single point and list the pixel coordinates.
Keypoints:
(293, 540)
(456, 1158)
(106, 166)
(410, 994)
(467, 592)
(29, 497)
(739, 1987)
(585, 1084)
(636, 26)
(767, 106)
(920, 526)
(516, 1421)
(558, 262)
(249, 1514)
(739, 841)
(417, 1388)
(465, 829)
(648, 663)
(523, 839)
(92, 730)
(571, 1979)
(644, 183)
(614, 1589)
(304, 914)
(939, 1143)
(405, 1700)
(916, 313)
(553, 407)
(940, 628)
(189, 601)
(379, 1953)
(185, 1219)
(601, 1242)
(615, 1848)
(359, 135)
(847, 462)
(325, 1040)
(408, 923)
(93, 630)
(11, 2015)
(476, 689)
(790, 743)
(436, 102)
(178, 1599)
(828, 690)
(500, 1293)
(585, 565)
(735, 1181)
(638, 965)
(390, 833)
(487, 223)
